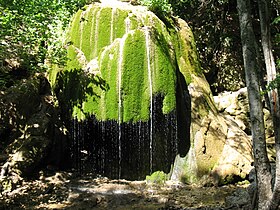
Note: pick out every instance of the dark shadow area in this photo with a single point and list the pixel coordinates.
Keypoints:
(183, 107)
(130, 150)
(73, 87)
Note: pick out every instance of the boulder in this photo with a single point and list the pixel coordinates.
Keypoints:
(28, 124)
(138, 99)
(235, 106)
(221, 152)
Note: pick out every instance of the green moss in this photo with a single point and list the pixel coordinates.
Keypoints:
(72, 60)
(186, 52)
(164, 67)
(75, 29)
(104, 28)
(88, 24)
(109, 70)
(95, 12)
(158, 177)
(135, 92)
(91, 104)
(95, 41)
(119, 23)
(134, 22)
(165, 78)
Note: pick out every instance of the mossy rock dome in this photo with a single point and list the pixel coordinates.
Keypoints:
(125, 84)
(130, 56)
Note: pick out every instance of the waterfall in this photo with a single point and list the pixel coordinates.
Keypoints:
(122, 41)
(92, 39)
(112, 26)
(96, 33)
(147, 36)
(127, 133)
(127, 25)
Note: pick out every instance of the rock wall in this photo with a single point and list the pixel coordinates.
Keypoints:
(31, 135)
(221, 152)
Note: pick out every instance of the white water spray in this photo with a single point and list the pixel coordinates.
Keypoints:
(147, 36)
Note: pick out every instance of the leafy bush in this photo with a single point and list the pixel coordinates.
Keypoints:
(159, 7)
(158, 177)
(32, 30)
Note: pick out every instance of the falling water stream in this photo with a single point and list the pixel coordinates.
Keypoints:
(122, 41)
(112, 25)
(151, 94)
(96, 34)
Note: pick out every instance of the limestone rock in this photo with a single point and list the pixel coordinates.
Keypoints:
(234, 106)
(220, 150)
(29, 132)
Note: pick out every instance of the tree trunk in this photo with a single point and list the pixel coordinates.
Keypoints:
(273, 94)
(261, 162)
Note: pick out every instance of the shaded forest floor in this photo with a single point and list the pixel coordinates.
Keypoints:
(67, 191)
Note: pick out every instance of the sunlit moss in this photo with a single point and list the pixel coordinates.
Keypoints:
(75, 31)
(165, 76)
(104, 28)
(72, 60)
(119, 26)
(134, 82)
(186, 52)
(95, 11)
(87, 22)
(98, 24)
(158, 177)
(109, 70)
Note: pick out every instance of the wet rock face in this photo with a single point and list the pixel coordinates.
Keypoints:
(126, 90)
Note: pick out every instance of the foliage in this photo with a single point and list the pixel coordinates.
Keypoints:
(32, 31)
(216, 29)
(160, 7)
(274, 84)
(158, 177)
(74, 98)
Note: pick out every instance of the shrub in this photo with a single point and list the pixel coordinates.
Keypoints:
(159, 7)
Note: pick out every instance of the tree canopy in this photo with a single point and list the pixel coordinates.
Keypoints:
(31, 32)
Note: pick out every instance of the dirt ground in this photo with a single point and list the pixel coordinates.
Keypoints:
(68, 191)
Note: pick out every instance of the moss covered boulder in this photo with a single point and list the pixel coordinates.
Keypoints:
(135, 93)
(125, 89)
